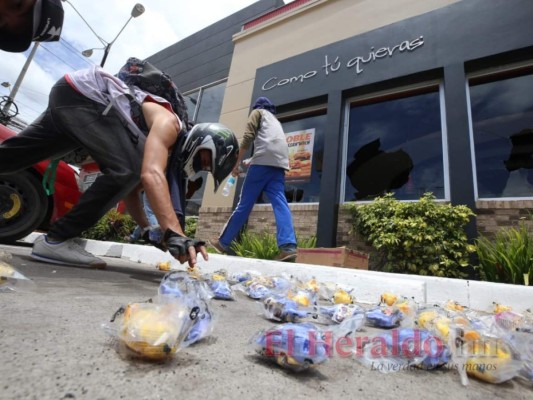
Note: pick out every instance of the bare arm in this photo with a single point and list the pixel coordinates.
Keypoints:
(164, 129)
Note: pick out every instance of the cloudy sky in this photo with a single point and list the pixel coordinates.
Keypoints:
(164, 23)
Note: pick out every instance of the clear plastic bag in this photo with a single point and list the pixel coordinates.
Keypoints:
(282, 309)
(439, 321)
(521, 343)
(299, 346)
(402, 348)
(260, 287)
(384, 317)
(337, 313)
(221, 289)
(489, 358)
(219, 285)
(153, 331)
(179, 283)
(293, 346)
(12, 280)
(203, 325)
(239, 277)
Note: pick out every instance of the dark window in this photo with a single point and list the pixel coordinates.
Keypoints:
(191, 100)
(502, 122)
(203, 105)
(210, 103)
(395, 145)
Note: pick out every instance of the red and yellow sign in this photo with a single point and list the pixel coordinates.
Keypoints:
(300, 155)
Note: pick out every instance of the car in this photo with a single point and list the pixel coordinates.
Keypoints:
(89, 171)
(24, 204)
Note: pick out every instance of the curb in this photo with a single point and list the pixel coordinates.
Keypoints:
(367, 285)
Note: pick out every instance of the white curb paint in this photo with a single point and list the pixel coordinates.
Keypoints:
(367, 285)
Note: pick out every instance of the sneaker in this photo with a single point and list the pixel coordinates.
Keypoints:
(214, 242)
(68, 253)
(286, 255)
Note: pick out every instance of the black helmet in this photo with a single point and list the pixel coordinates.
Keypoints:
(222, 143)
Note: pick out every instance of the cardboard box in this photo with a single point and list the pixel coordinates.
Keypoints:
(335, 257)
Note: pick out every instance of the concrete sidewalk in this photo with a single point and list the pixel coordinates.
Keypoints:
(367, 285)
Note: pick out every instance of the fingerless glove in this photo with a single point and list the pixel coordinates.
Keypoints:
(179, 245)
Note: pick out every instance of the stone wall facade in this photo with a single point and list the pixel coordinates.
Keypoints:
(495, 215)
(211, 220)
(491, 217)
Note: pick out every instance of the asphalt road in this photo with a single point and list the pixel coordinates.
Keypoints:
(53, 347)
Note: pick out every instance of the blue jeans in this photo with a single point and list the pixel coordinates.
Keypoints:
(271, 181)
(155, 235)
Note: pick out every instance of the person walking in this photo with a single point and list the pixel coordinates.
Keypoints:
(147, 149)
(266, 173)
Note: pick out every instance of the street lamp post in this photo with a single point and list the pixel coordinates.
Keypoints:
(137, 10)
(16, 86)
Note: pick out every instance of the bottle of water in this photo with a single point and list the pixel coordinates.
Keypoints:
(227, 187)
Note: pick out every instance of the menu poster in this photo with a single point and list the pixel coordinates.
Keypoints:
(300, 155)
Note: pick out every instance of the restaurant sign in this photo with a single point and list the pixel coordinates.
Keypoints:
(334, 64)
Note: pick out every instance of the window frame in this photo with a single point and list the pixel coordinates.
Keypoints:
(399, 92)
(480, 77)
(200, 91)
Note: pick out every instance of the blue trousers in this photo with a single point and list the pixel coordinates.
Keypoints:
(271, 181)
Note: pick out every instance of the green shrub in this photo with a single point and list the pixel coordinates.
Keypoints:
(507, 257)
(423, 237)
(264, 246)
(306, 243)
(113, 226)
(190, 226)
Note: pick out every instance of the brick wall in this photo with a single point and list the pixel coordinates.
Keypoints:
(491, 216)
(494, 215)
(212, 219)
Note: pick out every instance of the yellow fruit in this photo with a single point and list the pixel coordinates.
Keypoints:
(488, 361)
(426, 317)
(462, 321)
(6, 270)
(443, 327)
(342, 297)
(404, 307)
(498, 308)
(389, 298)
(152, 330)
(454, 306)
(313, 285)
(301, 298)
(471, 336)
(164, 266)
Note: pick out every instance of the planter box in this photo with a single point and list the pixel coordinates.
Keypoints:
(334, 257)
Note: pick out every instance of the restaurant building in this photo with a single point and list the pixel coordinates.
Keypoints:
(409, 96)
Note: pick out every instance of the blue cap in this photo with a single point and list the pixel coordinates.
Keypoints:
(264, 104)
